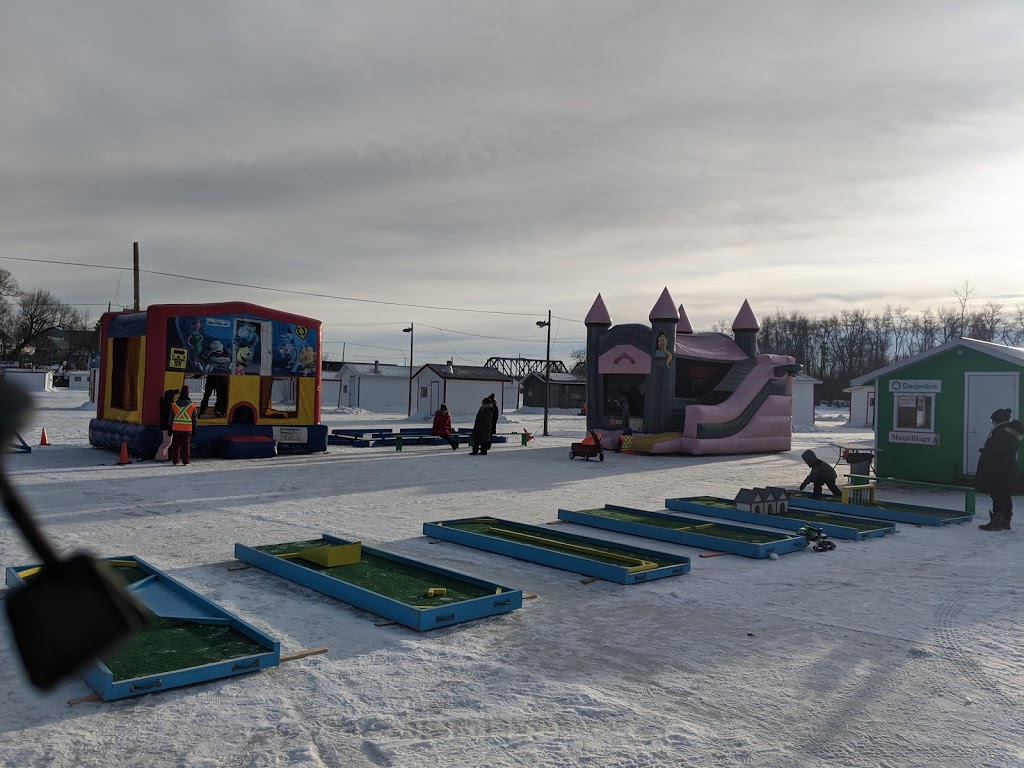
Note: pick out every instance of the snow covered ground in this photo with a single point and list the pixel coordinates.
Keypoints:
(901, 651)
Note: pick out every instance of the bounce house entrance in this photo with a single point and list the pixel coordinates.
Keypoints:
(624, 396)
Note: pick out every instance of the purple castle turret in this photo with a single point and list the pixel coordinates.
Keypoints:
(745, 328)
(662, 380)
(597, 321)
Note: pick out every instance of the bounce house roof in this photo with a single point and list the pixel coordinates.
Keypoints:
(714, 347)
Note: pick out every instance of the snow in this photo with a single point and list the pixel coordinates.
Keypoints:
(900, 651)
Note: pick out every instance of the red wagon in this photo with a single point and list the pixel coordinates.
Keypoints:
(591, 446)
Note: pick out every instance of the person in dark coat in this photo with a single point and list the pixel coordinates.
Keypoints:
(482, 428)
(821, 474)
(443, 426)
(183, 422)
(495, 412)
(996, 474)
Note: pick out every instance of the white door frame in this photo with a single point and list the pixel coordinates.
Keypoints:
(435, 395)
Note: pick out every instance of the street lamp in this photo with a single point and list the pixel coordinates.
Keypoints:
(409, 330)
(547, 371)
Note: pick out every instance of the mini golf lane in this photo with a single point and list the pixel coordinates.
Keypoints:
(557, 549)
(407, 591)
(691, 531)
(835, 525)
(882, 510)
(188, 639)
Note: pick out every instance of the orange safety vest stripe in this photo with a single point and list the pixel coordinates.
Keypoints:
(182, 421)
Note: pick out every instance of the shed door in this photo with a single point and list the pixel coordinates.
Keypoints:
(435, 396)
(986, 392)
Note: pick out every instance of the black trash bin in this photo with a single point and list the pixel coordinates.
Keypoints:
(860, 463)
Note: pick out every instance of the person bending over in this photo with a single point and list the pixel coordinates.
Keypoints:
(820, 474)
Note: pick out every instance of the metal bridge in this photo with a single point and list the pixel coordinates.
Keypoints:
(519, 368)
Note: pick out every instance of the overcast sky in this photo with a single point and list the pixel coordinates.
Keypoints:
(513, 157)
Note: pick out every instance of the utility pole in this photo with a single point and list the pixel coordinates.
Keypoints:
(547, 372)
(410, 330)
(136, 273)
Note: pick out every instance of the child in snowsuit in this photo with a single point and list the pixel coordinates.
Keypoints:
(996, 474)
(183, 422)
(820, 474)
(443, 426)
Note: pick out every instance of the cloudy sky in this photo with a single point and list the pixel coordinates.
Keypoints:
(500, 159)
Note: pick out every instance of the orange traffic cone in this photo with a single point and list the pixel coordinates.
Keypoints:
(42, 438)
(124, 453)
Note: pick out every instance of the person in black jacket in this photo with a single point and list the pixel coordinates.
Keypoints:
(820, 474)
(482, 429)
(495, 412)
(996, 474)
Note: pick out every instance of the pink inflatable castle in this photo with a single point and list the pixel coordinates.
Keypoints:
(665, 389)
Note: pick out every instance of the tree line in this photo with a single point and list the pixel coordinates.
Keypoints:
(842, 346)
(37, 328)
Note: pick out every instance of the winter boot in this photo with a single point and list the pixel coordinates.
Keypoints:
(1006, 521)
(994, 524)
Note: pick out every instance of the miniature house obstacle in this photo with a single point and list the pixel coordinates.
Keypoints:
(766, 501)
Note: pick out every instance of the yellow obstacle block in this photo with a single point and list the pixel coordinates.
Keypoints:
(333, 555)
(437, 592)
(858, 494)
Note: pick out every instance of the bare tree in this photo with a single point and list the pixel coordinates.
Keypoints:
(38, 314)
(579, 360)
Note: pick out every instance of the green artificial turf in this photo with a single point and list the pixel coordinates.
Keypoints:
(405, 583)
(674, 523)
(613, 554)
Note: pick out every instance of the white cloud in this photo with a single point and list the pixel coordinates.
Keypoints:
(515, 157)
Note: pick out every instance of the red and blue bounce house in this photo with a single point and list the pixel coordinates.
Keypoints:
(253, 371)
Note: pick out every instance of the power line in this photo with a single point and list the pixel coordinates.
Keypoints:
(193, 278)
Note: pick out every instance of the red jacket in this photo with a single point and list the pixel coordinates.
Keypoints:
(442, 424)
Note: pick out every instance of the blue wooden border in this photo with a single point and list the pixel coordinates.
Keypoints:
(692, 504)
(563, 560)
(101, 679)
(420, 619)
(886, 510)
(784, 545)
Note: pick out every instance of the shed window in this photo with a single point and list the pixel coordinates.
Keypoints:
(915, 412)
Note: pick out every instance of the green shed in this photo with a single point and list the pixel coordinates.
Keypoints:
(933, 411)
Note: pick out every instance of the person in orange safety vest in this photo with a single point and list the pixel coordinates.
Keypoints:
(183, 421)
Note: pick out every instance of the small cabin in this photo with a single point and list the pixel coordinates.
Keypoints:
(751, 500)
(779, 497)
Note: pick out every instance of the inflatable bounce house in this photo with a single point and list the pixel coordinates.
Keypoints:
(253, 372)
(666, 389)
